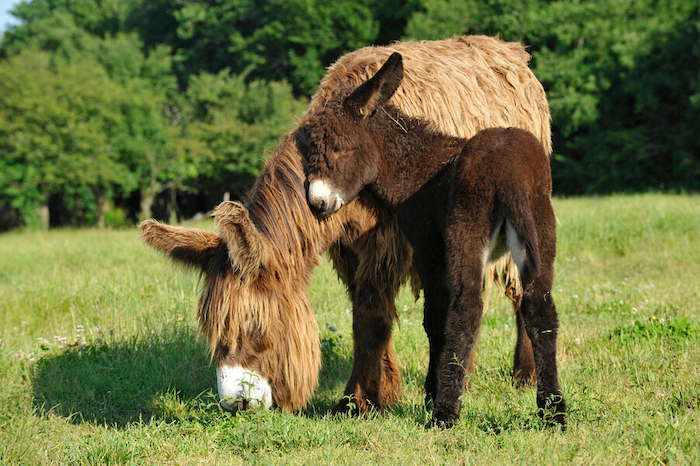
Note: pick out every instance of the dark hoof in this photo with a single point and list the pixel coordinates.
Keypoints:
(444, 418)
(552, 410)
(438, 423)
(346, 406)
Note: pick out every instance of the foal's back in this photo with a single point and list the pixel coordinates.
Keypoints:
(503, 162)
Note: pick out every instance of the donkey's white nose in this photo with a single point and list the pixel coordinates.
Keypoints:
(241, 388)
(324, 197)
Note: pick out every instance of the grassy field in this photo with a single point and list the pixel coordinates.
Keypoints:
(100, 361)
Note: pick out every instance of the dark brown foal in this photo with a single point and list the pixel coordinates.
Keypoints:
(493, 197)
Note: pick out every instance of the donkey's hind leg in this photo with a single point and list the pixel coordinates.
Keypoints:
(524, 372)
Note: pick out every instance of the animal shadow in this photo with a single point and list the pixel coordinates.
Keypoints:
(335, 370)
(144, 378)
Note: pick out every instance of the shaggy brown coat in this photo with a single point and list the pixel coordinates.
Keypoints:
(492, 195)
(254, 307)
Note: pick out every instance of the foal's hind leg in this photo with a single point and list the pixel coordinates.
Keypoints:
(504, 269)
(540, 316)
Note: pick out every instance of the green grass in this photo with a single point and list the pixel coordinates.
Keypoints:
(140, 389)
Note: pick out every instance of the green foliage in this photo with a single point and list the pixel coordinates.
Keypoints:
(278, 40)
(124, 101)
(235, 124)
(116, 122)
(115, 217)
(56, 136)
(621, 78)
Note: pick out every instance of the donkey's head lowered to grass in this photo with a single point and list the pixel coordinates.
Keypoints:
(254, 309)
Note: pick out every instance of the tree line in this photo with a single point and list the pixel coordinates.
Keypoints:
(115, 110)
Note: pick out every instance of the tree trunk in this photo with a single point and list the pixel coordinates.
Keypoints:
(146, 204)
(174, 210)
(44, 214)
(148, 196)
(102, 206)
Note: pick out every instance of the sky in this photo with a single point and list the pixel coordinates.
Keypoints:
(5, 17)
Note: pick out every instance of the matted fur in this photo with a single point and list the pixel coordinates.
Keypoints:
(254, 306)
(459, 85)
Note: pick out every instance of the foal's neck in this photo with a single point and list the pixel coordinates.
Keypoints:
(412, 154)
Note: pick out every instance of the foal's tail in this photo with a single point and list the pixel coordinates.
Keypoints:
(519, 215)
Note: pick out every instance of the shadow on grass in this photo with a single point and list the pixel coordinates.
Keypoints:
(335, 373)
(480, 413)
(117, 382)
(167, 376)
(155, 376)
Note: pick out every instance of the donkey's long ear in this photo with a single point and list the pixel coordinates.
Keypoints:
(377, 91)
(188, 246)
(247, 248)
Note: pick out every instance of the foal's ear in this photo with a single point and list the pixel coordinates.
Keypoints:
(188, 246)
(247, 248)
(377, 91)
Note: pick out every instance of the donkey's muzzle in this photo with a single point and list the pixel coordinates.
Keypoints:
(241, 389)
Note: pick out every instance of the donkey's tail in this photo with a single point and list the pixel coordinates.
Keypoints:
(519, 215)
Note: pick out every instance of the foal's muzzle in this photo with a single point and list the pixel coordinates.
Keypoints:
(324, 197)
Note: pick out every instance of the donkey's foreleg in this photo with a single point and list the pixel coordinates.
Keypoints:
(375, 380)
(461, 332)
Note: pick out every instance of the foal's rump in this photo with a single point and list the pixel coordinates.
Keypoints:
(517, 165)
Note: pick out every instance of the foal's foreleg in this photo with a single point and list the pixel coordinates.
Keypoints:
(437, 301)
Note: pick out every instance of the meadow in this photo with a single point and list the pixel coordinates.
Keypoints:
(100, 361)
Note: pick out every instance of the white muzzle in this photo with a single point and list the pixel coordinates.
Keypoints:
(241, 388)
(324, 197)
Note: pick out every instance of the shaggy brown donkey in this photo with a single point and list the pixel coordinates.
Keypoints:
(494, 196)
